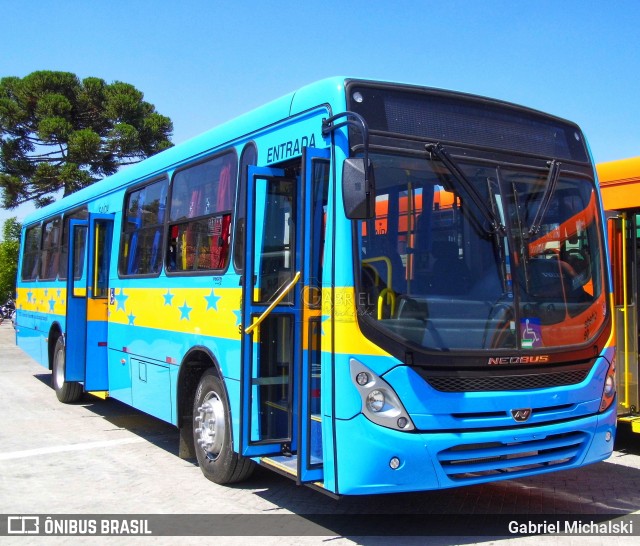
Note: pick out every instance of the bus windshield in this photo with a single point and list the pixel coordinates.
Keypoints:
(436, 272)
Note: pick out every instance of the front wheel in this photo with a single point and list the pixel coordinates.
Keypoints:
(66, 391)
(212, 434)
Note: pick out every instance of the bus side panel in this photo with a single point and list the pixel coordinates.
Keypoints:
(150, 388)
(37, 309)
(119, 372)
(29, 341)
(161, 325)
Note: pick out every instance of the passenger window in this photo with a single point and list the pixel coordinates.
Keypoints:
(50, 256)
(142, 229)
(31, 257)
(200, 218)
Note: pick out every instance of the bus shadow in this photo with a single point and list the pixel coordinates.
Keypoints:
(121, 416)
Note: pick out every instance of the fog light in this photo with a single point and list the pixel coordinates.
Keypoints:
(375, 401)
(362, 378)
(394, 463)
(607, 436)
(402, 422)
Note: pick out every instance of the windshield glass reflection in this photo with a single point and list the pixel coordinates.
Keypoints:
(433, 273)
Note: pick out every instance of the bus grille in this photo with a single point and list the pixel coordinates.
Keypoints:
(478, 461)
(506, 382)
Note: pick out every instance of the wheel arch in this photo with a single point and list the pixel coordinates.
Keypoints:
(55, 332)
(195, 363)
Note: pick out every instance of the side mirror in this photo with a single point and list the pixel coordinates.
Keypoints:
(358, 189)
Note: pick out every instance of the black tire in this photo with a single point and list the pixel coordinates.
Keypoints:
(212, 434)
(66, 391)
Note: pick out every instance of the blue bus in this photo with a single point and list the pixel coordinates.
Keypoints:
(366, 286)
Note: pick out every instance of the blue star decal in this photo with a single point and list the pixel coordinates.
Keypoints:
(29, 296)
(184, 311)
(59, 292)
(323, 318)
(52, 304)
(238, 315)
(212, 301)
(120, 299)
(131, 318)
(168, 297)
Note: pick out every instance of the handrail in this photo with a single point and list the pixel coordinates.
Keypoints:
(376, 277)
(387, 261)
(275, 302)
(391, 301)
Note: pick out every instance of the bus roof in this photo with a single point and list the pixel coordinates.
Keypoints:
(328, 91)
(618, 180)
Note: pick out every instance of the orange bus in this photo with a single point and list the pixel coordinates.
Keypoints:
(620, 187)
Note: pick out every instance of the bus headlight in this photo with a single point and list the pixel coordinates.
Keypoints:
(609, 391)
(380, 403)
(375, 401)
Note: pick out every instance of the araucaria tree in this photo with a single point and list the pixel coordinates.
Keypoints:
(58, 132)
(9, 247)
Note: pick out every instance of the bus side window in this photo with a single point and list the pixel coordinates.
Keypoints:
(31, 258)
(50, 249)
(142, 228)
(200, 215)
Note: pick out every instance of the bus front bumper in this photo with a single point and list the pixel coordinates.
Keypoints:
(373, 459)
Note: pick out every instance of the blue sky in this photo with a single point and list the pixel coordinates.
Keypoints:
(204, 62)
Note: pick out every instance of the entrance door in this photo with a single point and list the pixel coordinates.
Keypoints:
(76, 334)
(281, 377)
(87, 301)
(625, 262)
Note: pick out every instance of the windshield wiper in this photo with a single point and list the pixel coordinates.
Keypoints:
(494, 222)
(550, 187)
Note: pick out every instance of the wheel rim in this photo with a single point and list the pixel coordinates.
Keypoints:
(210, 425)
(58, 375)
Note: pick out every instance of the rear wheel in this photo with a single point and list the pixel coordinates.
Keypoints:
(212, 434)
(66, 391)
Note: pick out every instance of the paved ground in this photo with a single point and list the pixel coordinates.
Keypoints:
(101, 457)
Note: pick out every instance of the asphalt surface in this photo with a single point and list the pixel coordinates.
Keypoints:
(100, 457)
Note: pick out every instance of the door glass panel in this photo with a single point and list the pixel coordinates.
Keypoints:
(81, 214)
(314, 391)
(79, 254)
(101, 257)
(318, 222)
(272, 378)
(275, 214)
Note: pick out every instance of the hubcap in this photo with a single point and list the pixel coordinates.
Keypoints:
(210, 425)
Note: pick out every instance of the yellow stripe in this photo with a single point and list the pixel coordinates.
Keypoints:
(42, 300)
(100, 394)
(97, 309)
(197, 310)
(348, 337)
(191, 310)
